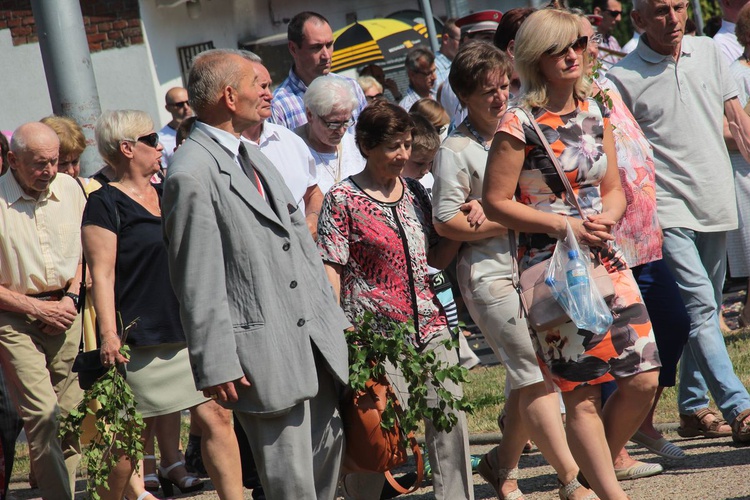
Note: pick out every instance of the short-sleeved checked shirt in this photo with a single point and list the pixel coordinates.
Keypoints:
(442, 68)
(411, 96)
(288, 109)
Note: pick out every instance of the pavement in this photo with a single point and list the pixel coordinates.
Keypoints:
(713, 469)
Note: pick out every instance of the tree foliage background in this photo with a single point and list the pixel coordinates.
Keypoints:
(624, 29)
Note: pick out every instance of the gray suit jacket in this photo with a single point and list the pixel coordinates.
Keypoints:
(251, 285)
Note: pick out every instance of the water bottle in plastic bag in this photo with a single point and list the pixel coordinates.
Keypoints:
(579, 288)
(570, 282)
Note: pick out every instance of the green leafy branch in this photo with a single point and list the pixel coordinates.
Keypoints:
(369, 350)
(119, 426)
(602, 97)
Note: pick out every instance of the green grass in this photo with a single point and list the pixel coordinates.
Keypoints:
(486, 387)
(485, 390)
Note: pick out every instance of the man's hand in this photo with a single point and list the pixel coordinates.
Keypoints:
(225, 392)
(312, 225)
(57, 315)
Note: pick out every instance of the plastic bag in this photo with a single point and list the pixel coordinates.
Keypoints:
(569, 277)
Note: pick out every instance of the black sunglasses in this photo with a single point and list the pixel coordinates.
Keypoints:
(151, 139)
(179, 104)
(578, 46)
(614, 13)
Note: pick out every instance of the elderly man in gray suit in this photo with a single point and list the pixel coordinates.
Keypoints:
(264, 332)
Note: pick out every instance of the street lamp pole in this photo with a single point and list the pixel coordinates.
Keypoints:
(68, 68)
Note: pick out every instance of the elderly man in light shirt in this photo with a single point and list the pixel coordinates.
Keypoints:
(40, 274)
(286, 150)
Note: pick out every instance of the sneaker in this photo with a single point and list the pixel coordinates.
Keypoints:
(475, 460)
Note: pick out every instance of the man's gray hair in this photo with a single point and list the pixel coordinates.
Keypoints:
(211, 72)
(327, 94)
(252, 57)
(17, 144)
(417, 54)
(638, 4)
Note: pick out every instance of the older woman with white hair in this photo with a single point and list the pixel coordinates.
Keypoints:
(125, 252)
(329, 104)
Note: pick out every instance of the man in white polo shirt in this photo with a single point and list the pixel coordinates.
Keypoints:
(286, 150)
(679, 90)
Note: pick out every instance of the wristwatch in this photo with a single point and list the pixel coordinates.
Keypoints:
(73, 297)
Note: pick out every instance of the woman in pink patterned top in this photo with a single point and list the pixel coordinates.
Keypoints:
(640, 238)
(376, 238)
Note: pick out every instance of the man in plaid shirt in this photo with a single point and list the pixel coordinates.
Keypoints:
(311, 45)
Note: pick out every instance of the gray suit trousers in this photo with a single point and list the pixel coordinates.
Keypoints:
(299, 452)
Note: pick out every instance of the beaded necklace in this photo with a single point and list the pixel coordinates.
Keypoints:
(476, 135)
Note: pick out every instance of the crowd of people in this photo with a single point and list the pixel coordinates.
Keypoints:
(241, 241)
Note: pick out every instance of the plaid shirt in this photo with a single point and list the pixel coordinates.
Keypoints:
(411, 96)
(442, 68)
(288, 109)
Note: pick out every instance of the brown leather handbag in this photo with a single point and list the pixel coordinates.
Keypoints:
(369, 446)
(541, 308)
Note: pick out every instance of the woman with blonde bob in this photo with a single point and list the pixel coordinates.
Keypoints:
(523, 191)
(127, 258)
(72, 143)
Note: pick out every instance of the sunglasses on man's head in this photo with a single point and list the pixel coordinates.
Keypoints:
(151, 139)
(179, 104)
(578, 46)
(613, 13)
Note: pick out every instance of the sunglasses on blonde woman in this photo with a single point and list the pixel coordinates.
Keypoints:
(578, 46)
(151, 139)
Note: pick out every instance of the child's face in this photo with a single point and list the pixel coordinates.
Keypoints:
(420, 162)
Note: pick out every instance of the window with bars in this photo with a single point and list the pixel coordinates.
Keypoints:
(187, 54)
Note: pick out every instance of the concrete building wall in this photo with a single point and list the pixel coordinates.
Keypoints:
(136, 64)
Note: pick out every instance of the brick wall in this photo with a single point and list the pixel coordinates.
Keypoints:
(108, 23)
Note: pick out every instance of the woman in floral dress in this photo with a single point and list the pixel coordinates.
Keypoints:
(523, 191)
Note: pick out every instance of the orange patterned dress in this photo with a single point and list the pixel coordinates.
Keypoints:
(573, 356)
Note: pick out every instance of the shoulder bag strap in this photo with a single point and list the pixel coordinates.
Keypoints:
(415, 449)
(417, 452)
(572, 198)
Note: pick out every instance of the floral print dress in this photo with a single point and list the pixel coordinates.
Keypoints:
(574, 356)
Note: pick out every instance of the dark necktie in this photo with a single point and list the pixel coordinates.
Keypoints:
(249, 169)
